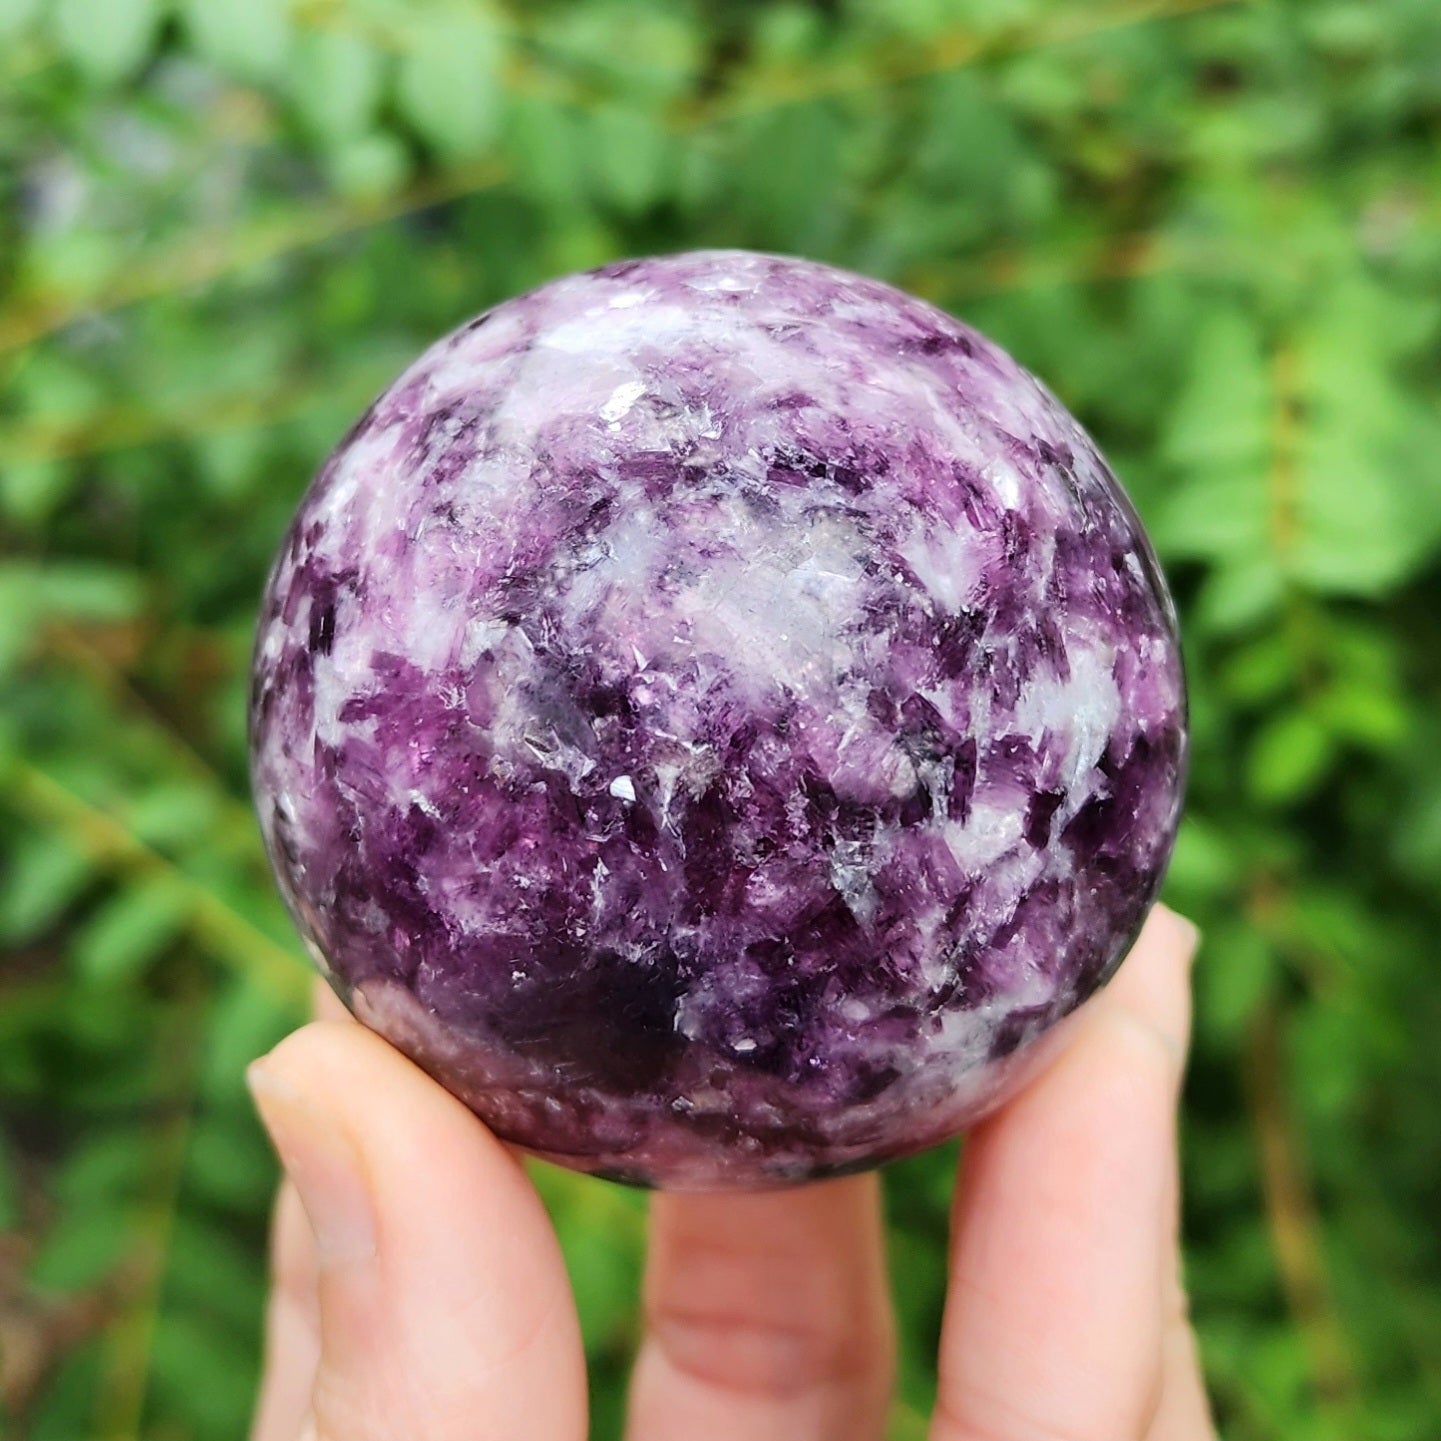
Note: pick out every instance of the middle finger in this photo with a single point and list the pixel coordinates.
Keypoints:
(767, 1317)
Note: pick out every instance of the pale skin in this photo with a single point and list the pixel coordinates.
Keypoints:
(419, 1292)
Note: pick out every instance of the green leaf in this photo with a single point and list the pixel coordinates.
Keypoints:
(970, 186)
(1330, 1059)
(1361, 712)
(251, 40)
(336, 83)
(1341, 926)
(1288, 757)
(546, 143)
(107, 40)
(906, 1422)
(1416, 838)
(1239, 595)
(1218, 514)
(449, 86)
(83, 1247)
(700, 167)
(1217, 439)
(1222, 416)
(229, 461)
(1261, 671)
(786, 32)
(369, 166)
(174, 813)
(106, 1169)
(203, 1369)
(1235, 971)
(130, 930)
(43, 875)
(600, 1231)
(1361, 528)
(78, 590)
(15, 15)
(601, 1260)
(1204, 862)
(78, 263)
(244, 1023)
(228, 1167)
(636, 51)
(64, 1408)
(630, 150)
(211, 1271)
(31, 490)
(788, 184)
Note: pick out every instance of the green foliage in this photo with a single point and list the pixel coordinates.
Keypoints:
(1211, 225)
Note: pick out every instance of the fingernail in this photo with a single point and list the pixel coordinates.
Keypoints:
(323, 1163)
(1190, 932)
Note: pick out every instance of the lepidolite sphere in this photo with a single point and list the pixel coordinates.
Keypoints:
(715, 713)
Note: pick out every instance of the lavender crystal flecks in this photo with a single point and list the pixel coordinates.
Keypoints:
(716, 712)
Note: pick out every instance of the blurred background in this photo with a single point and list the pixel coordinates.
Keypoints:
(1214, 228)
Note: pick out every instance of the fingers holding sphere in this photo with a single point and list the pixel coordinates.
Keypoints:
(444, 1308)
(1062, 1236)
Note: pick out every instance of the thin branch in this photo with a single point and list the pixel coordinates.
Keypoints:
(231, 936)
(1124, 257)
(127, 1359)
(73, 645)
(122, 428)
(950, 50)
(218, 253)
(1295, 1222)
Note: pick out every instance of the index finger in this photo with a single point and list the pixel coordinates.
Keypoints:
(1060, 1232)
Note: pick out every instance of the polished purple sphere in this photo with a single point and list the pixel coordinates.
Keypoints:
(715, 713)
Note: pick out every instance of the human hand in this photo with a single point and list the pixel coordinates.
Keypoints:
(420, 1294)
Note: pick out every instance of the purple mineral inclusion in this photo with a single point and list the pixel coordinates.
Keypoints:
(715, 713)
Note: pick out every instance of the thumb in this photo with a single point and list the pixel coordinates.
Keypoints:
(444, 1306)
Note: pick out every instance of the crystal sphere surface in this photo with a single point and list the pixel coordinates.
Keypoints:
(715, 713)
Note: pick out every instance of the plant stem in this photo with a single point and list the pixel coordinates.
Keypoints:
(126, 1363)
(229, 935)
(217, 253)
(1294, 1220)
